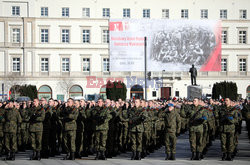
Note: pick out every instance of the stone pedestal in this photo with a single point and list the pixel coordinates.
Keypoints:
(194, 91)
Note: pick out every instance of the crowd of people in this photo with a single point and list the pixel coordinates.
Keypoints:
(107, 128)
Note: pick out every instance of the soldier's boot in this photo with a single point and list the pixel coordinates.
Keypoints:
(143, 154)
(8, 156)
(136, 155)
(72, 156)
(78, 155)
(97, 155)
(223, 156)
(133, 156)
(229, 157)
(84, 154)
(103, 157)
(198, 156)
(38, 155)
(193, 156)
(12, 156)
(172, 156)
(67, 156)
(139, 156)
(33, 157)
(167, 156)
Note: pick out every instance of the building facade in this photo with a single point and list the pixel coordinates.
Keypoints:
(62, 46)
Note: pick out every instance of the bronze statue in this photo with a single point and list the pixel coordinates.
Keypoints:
(193, 72)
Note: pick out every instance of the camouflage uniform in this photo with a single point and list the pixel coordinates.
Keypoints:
(23, 140)
(88, 145)
(136, 119)
(46, 132)
(146, 134)
(1, 130)
(124, 119)
(37, 115)
(69, 116)
(228, 119)
(112, 141)
(100, 117)
(80, 131)
(160, 127)
(197, 117)
(12, 121)
(53, 131)
(246, 115)
(172, 127)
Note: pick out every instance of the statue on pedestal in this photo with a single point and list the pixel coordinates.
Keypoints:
(193, 72)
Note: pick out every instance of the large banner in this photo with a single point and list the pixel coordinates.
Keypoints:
(172, 45)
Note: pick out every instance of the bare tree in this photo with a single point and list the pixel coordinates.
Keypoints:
(64, 85)
(13, 83)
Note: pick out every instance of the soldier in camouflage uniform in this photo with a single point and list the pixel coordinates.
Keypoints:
(136, 118)
(100, 116)
(37, 115)
(12, 121)
(197, 117)
(46, 127)
(153, 116)
(146, 132)
(172, 127)
(80, 128)
(54, 127)
(228, 119)
(88, 145)
(23, 140)
(123, 121)
(69, 115)
(246, 115)
(1, 128)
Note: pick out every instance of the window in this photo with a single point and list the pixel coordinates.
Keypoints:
(16, 35)
(243, 65)
(86, 36)
(177, 93)
(146, 13)
(16, 10)
(44, 64)
(44, 35)
(65, 35)
(204, 13)
(65, 64)
(86, 64)
(223, 64)
(105, 36)
(126, 13)
(85, 12)
(184, 13)
(44, 11)
(224, 36)
(16, 64)
(242, 36)
(154, 93)
(165, 13)
(106, 12)
(65, 12)
(106, 65)
(223, 14)
(243, 14)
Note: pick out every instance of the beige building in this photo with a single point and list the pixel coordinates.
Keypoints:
(57, 44)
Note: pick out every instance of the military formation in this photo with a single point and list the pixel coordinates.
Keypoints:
(79, 128)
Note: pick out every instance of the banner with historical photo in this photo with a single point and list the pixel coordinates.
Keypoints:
(172, 45)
